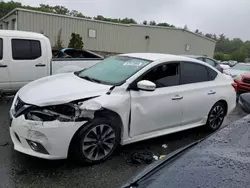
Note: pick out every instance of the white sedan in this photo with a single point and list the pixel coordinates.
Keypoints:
(121, 100)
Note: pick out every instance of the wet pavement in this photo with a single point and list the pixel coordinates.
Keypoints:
(21, 171)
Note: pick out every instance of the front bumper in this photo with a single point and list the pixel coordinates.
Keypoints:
(54, 136)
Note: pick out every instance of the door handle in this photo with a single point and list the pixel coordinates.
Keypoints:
(40, 65)
(177, 97)
(211, 92)
(3, 66)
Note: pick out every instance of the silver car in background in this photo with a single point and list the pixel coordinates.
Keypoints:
(238, 69)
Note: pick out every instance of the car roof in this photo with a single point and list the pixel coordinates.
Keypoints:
(193, 56)
(14, 33)
(158, 56)
(221, 160)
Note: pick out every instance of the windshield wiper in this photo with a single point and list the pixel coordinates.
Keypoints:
(90, 79)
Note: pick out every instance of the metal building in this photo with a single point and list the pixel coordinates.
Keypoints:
(109, 37)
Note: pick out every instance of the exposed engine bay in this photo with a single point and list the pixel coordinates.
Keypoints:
(70, 112)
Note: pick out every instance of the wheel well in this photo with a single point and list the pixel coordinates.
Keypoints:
(224, 104)
(109, 114)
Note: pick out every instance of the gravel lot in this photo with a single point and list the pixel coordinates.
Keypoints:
(22, 171)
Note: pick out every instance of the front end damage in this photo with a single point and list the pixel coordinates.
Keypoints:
(70, 112)
(46, 132)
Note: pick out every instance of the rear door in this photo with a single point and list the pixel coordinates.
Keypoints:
(28, 61)
(198, 91)
(4, 65)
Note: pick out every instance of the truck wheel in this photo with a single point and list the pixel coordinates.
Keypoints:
(216, 116)
(96, 141)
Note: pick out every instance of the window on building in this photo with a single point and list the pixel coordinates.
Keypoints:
(164, 76)
(92, 33)
(26, 49)
(193, 73)
(1, 48)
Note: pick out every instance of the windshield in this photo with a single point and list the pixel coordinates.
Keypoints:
(241, 67)
(114, 70)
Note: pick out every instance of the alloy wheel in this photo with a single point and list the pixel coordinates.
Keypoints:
(216, 117)
(98, 142)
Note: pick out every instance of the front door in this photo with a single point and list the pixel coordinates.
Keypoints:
(4, 66)
(160, 109)
(28, 61)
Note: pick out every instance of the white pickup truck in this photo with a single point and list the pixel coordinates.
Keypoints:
(27, 56)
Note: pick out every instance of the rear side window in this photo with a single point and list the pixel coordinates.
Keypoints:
(193, 73)
(211, 74)
(210, 62)
(23, 49)
(1, 48)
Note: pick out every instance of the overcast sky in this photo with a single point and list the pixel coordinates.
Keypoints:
(231, 17)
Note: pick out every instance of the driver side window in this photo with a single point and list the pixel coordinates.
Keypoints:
(164, 75)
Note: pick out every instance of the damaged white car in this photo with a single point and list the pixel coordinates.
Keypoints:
(121, 100)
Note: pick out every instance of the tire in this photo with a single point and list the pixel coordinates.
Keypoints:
(216, 116)
(96, 141)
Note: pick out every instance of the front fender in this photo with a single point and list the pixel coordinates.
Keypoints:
(119, 103)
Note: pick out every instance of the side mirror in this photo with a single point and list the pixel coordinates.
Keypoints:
(146, 85)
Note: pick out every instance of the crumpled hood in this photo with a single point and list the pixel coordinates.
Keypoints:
(234, 72)
(59, 89)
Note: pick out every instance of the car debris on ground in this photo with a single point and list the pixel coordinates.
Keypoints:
(164, 145)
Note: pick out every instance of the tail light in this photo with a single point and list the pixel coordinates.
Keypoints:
(235, 86)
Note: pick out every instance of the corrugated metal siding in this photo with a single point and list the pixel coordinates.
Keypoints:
(115, 37)
(170, 41)
(9, 20)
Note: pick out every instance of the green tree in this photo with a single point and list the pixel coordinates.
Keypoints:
(99, 17)
(128, 21)
(75, 41)
(75, 13)
(239, 56)
(219, 56)
(44, 8)
(209, 35)
(196, 31)
(61, 10)
(145, 22)
(152, 23)
(164, 24)
(6, 7)
(214, 36)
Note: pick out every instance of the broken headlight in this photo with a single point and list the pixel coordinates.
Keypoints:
(64, 112)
